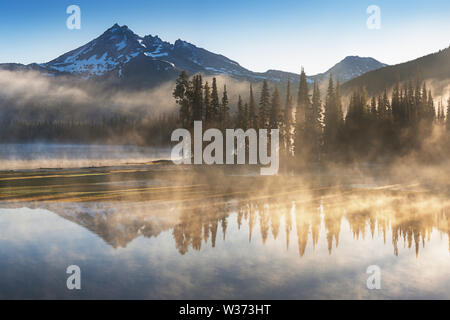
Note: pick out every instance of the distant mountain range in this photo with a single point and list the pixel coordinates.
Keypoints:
(435, 66)
(350, 68)
(122, 56)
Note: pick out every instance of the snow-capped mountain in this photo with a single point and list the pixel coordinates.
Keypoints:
(122, 55)
(119, 46)
(113, 50)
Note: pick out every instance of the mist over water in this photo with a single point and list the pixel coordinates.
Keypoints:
(54, 156)
(64, 98)
(359, 153)
(140, 229)
(162, 232)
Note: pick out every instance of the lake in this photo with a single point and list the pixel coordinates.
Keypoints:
(45, 155)
(159, 231)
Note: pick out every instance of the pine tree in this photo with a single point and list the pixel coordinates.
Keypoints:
(252, 111)
(182, 97)
(303, 103)
(339, 103)
(447, 118)
(246, 117)
(197, 98)
(424, 104)
(373, 107)
(430, 106)
(240, 119)
(418, 101)
(215, 105)
(411, 103)
(313, 128)
(288, 120)
(224, 114)
(396, 103)
(264, 106)
(356, 123)
(340, 116)
(331, 117)
(276, 116)
(357, 109)
(380, 108)
(440, 115)
(387, 109)
(209, 113)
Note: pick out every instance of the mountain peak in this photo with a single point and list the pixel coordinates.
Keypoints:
(154, 39)
(357, 58)
(432, 66)
(351, 67)
(117, 45)
(181, 43)
(111, 52)
(116, 27)
(351, 58)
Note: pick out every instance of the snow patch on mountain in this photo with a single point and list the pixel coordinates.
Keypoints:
(142, 44)
(118, 46)
(94, 65)
(122, 44)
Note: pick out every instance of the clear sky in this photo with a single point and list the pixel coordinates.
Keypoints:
(258, 34)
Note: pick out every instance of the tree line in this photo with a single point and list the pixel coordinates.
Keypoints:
(315, 128)
(116, 129)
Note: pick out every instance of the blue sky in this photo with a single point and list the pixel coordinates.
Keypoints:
(260, 35)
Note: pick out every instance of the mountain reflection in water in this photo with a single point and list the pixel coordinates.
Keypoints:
(181, 236)
(410, 218)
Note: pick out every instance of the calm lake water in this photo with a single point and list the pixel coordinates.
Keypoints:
(36, 156)
(141, 234)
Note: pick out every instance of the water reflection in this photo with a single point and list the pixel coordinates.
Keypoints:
(203, 241)
(48, 155)
(409, 219)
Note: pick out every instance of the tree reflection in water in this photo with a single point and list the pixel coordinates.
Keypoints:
(409, 216)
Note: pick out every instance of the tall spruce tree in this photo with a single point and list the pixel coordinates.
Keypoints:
(288, 121)
(276, 115)
(447, 117)
(430, 107)
(387, 110)
(182, 98)
(252, 111)
(197, 98)
(313, 128)
(264, 106)
(209, 113)
(339, 102)
(440, 115)
(224, 114)
(240, 119)
(303, 103)
(396, 104)
(215, 104)
(356, 123)
(246, 117)
(373, 108)
(380, 108)
(331, 118)
(357, 110)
